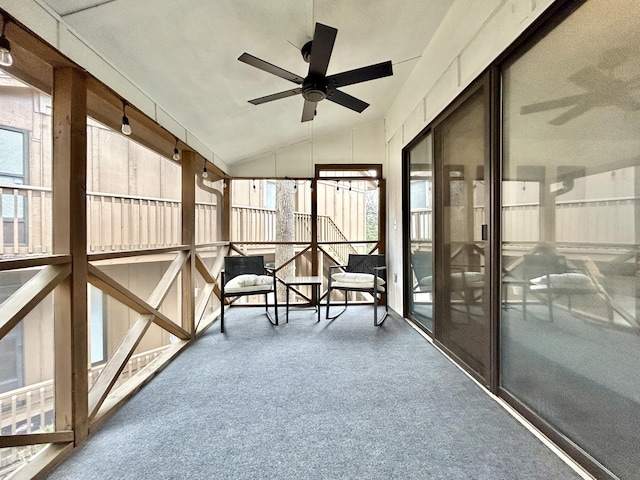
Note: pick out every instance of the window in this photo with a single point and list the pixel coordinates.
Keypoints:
(270, 195)
(13, 173)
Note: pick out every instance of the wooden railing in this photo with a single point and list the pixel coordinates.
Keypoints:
(329, 232)
(27, 231)
(115, 222)
(126, 222)
(30, 409)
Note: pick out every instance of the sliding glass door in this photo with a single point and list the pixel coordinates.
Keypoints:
(462, 320)
(419, 172)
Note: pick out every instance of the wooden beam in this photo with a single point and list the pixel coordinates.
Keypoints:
(70, 237)
(46, 460)
(117, 362)
(35, 438)
(132, 338)
(203, 300)
(112, 288)
(96, 257)
(127, 390)
(188, 238)
(203, 270)
(30, 295)
(30, 262)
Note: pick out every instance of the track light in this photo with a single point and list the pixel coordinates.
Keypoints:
(176, 152)
(126, 128)
(6, 60)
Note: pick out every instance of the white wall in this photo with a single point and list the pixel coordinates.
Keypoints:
(473, 34)
(361, 144)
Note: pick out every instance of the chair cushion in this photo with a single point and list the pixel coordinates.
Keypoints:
(249, 283)
(357, 280)
(459, 280)
(567, 281)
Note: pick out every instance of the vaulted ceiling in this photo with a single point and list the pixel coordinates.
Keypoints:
(184, 56)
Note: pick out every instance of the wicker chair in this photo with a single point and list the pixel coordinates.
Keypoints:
(549, 277)
(358, 276)
(248, 276)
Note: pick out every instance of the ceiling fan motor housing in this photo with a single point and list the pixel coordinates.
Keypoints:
(314, 88)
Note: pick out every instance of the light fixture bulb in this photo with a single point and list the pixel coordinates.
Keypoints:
(126, 128)
(224, 183)
(204, 172)
(176, 154)
(6, 60)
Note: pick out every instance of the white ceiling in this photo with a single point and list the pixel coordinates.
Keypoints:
(183, 55)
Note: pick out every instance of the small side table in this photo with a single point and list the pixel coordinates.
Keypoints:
(313, 281)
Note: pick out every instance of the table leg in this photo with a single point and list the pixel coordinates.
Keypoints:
(287, 304)
(318, 300)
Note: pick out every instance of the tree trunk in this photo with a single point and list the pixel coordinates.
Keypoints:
(284, 230)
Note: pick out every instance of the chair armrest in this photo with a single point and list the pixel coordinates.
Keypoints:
(337, 266)
(331, 268)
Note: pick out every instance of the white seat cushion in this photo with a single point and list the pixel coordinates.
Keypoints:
(249, 283)
(459, 280)
(356, 280)
(566, 281)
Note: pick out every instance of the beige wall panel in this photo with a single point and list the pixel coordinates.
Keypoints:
(336, 148)
(415, 122)
(38, 343)
(368, 143)
(294, 161)
(259, 167)
(394, 219)
(172, 125)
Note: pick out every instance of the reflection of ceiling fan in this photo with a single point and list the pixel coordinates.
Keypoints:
(602, 90)
(316, 86)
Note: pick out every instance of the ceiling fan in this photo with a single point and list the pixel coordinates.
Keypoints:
(603, 89)
(316, 86)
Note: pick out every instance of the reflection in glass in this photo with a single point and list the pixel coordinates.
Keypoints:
(421, 231)
(464, 326)
(571, 230)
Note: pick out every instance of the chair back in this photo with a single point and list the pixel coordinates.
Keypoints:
(366, 263)
(539, 265)
(422, 264)
(242, 265)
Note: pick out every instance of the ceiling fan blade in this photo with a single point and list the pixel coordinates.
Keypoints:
(276, 96)
(552, 104)
(590, 78)
(359, 75)
(571, 114)
(321, 48)
(346, 100)
(309, 110)
(270, 68)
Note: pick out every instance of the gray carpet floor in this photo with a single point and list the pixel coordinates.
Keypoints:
(338, 399)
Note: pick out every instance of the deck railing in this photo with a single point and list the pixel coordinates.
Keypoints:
(30, 409)
(126, 222)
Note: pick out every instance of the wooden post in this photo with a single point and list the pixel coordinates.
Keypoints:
(226, 211)
(70, 237)
(188, 239)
